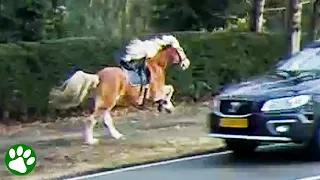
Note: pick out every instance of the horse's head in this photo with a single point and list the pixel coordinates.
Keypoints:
(175, 56)
(178, 57)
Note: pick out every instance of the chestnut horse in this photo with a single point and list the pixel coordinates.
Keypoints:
(112, 87)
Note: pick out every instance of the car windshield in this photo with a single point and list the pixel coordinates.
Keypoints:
(306, 60)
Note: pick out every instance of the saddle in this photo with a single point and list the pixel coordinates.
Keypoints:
(140, 76)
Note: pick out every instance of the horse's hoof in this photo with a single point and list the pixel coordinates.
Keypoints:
(169, 111)
(160, 108)
(119, 136)
(140, 107)
(92, 141)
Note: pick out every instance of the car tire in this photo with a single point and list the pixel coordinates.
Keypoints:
(313, 146)
(241, 147)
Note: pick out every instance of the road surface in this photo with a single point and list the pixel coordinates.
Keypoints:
(281, 163)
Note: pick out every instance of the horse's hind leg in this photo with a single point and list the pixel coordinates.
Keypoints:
(90, 122)
(109, 104)
(108, 121)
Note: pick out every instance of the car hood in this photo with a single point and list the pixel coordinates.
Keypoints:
(272, 86)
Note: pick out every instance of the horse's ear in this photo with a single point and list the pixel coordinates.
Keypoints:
(163, 47)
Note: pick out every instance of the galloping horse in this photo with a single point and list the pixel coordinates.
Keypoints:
(113, 85)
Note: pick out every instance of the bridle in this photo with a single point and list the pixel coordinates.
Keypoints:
(180, 60)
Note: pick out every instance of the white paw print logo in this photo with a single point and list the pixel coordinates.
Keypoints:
(20, 159)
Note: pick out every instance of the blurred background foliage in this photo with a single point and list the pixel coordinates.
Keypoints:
(33, 20)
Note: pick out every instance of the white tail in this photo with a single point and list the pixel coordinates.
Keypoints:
(73, 90)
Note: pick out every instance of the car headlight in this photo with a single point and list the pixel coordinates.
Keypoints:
(286, 103)
(216, 104)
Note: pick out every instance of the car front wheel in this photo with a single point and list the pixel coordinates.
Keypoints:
(313, 147)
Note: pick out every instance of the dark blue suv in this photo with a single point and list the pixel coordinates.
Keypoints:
(281, 105)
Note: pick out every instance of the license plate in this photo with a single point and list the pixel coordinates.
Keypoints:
(234, 122)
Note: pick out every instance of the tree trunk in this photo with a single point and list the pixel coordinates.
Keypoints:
(257, 15)
(315, 19)
(293, 25)
(123, 17)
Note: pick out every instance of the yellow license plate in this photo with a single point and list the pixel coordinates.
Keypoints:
(234, 122)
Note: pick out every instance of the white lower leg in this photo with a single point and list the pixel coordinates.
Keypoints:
(168, 105)
(168, 89)
(109, 123)
(88, 131)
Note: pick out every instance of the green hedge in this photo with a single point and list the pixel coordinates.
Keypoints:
(29, 70)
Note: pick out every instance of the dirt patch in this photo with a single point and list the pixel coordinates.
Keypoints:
(149, 136)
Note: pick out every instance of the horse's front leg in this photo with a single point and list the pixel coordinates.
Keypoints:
(168, 90)
(163, 98)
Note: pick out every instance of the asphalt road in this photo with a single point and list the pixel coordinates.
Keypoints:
(281, 163)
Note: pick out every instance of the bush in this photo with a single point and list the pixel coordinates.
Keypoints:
(29, 70)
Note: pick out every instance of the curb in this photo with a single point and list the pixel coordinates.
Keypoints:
(218, 150)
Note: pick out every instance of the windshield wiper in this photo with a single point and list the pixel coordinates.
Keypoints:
(286, 73)
(309, 73)
(298, 74)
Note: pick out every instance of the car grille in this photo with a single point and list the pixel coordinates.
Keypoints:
(236, 107)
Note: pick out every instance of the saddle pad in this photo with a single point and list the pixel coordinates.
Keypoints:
(135, 79)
